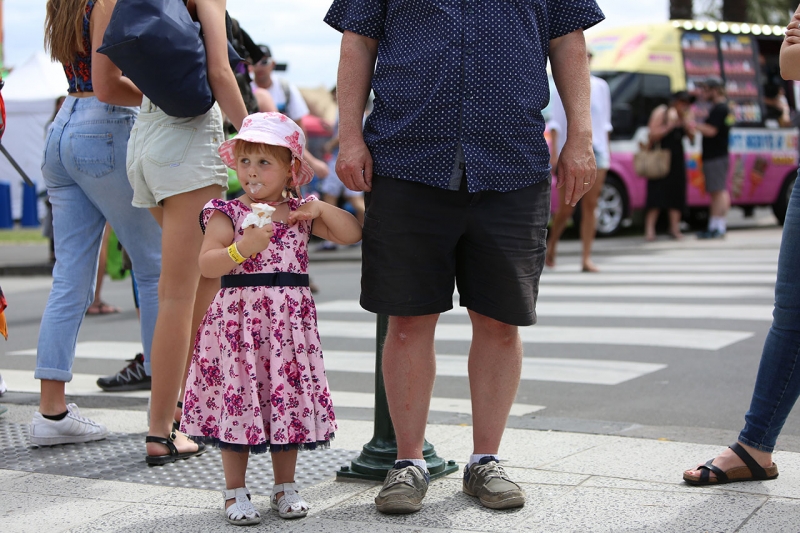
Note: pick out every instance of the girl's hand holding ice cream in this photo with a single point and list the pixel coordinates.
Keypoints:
(260, 216)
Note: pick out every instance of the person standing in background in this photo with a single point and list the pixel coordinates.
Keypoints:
(600, 101)
(84, 170)
(716, 163)
(668, 125)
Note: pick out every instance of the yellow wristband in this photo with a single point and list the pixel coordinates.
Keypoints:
(233, 252)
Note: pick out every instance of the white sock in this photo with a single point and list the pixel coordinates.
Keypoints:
(713, 224)
(476, 458)
(416, 462)
(722, 225)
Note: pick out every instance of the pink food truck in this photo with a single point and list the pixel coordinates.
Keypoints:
(644, 65)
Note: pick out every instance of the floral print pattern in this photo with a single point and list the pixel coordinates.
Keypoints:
(257, 377)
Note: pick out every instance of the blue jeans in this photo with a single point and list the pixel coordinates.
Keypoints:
(84, 170)
(778, 382)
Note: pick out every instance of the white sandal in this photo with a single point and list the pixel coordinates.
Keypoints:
(241, 512)
(291, 504)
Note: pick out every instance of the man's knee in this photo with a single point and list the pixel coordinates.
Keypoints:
(407, 329)
(494, 329)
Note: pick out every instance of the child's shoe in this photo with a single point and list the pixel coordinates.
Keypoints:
(241, 512)
(291, 504)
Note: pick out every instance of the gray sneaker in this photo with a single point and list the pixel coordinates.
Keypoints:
(403, 490)
(490, 484)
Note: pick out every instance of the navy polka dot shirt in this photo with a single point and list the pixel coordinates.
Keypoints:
(461, 82)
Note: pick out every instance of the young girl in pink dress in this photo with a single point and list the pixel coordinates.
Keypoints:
(257, 380)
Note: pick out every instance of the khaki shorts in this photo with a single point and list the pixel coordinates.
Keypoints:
(171, 155)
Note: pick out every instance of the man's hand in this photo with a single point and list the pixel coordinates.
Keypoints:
(577, 169)
(354, 165)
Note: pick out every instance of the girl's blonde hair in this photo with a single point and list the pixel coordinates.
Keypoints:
(63, 29)
(281, 153)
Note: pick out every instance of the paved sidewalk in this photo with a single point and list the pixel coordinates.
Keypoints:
(574, 482)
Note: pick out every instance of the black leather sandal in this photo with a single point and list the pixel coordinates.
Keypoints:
(176, 424)
(174, 454)
(752, 471)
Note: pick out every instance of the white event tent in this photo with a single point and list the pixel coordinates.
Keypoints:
(30, 94)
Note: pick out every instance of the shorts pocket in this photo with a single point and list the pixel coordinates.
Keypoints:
(131, 152)
(93, 154)
(372, 225)
(170, 145)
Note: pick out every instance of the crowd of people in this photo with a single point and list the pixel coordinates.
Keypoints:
(231, 348)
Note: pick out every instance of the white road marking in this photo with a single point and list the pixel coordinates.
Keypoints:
(546, 290)
(601, 278)
(562, 370)
(605, 310)
(698, 339)
(447, 405)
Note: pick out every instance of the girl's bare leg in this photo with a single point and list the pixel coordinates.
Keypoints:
(283, 467)
(176, 325)
(650, 219)
(234, 464)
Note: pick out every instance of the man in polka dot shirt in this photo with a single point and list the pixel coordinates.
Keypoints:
(456, 173)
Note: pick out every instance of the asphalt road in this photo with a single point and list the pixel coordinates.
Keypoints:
(665, 342)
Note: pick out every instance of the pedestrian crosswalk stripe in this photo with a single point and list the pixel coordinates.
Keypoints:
(768, 257)
(698, 339)
(705, 292)
(546, 309)
(675, 268)
(562, 370)
(446, 405)
(601, 278)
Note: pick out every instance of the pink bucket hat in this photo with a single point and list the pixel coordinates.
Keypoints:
(276, 129)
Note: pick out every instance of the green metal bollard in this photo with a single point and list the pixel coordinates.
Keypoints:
(378, 455)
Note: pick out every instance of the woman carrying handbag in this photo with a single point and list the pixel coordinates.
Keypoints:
(175, 169)
(668, 125)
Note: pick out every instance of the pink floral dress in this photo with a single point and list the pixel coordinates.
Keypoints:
(257, 377)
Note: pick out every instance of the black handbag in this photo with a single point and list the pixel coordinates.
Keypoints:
(160, 48)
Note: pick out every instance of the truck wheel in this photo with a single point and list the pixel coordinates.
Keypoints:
(612, 206)
(782, 203)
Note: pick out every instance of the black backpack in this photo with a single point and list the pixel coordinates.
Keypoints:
(248, 51)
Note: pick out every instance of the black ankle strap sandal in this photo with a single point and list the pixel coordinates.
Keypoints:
(174, 454)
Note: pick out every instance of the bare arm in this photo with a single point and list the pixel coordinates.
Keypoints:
(214, 258)
(356, 66)
(576, 169)
(110, 86)
(658, 126)
(706, 130)
(790, 52)
(211, 14)
(265, 102)
(330, 222)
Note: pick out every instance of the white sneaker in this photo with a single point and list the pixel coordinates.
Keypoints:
(72, 428)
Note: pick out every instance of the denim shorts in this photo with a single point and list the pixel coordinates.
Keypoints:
(602, 159)
(419, 242)
(170, 155)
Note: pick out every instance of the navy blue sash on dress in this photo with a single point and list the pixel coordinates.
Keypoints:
(265, 279)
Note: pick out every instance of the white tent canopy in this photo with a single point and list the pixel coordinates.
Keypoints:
(30, 95)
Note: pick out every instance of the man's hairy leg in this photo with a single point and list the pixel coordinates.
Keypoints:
(495, 365)
(409, 370)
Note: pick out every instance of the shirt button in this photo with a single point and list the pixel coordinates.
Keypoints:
(470, 11)
(469, 50)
